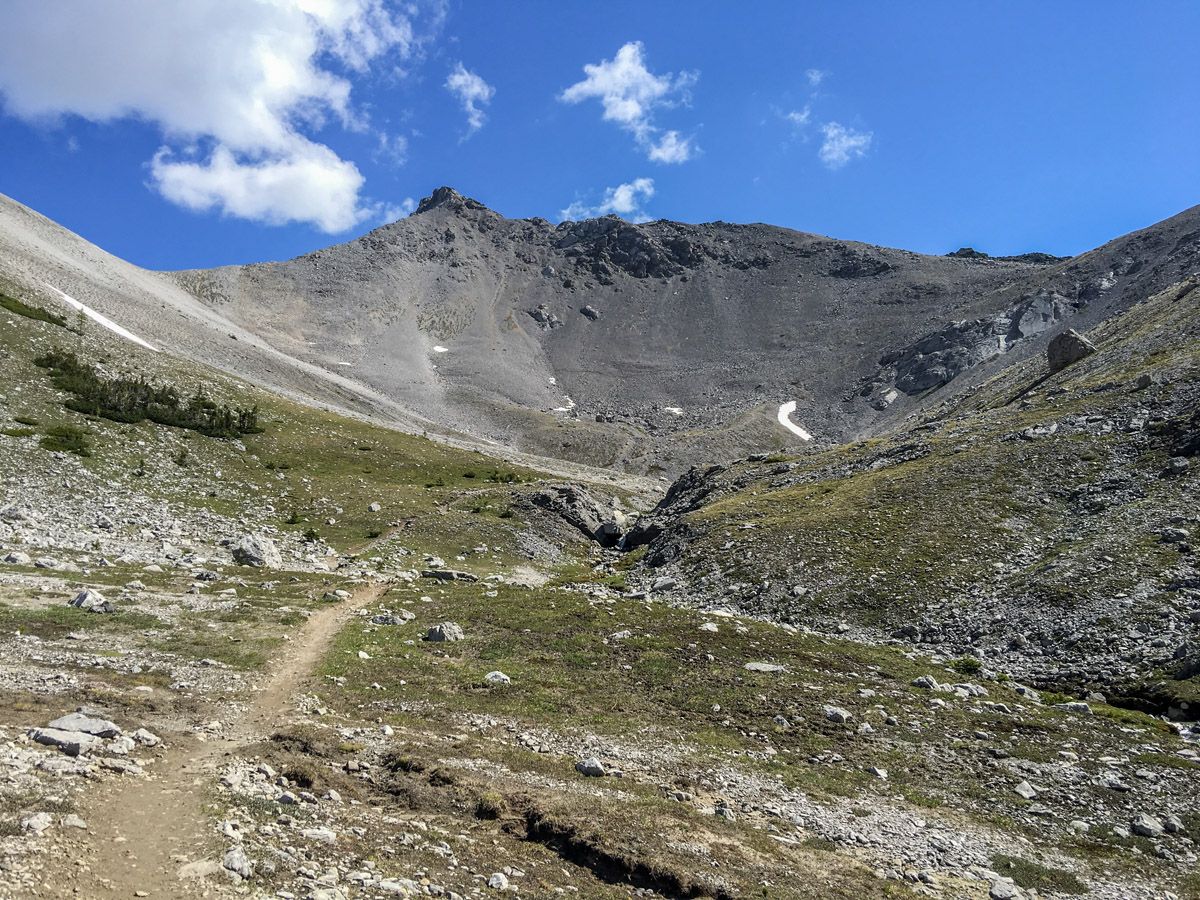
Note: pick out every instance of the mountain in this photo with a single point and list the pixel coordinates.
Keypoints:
(643, 348)
(360, 574)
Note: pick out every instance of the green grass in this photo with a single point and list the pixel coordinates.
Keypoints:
(1029, 874)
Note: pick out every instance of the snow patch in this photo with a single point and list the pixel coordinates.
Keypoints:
(674, 410)
(99, 319)
(785, 412)
(438, 348)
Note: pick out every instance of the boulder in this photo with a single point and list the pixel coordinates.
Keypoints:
(448, 575)
(445, 631)
(92, 601)
(72, 743)
(1068, 348)
(258, 551)
(591, 767)
(578, 508)
(78, 721)
(1147, 825)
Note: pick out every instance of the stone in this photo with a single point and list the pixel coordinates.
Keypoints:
(72, 743)
(237, 862)
(1003, 890)
(146, 738)
(591, 767)
(445, 631)
(1067, 348)
(78, 721)
(1147, 825)
(448, 575)
(837, 715)
(399, 617)
(374, 507)
(257, 551)
(1074, 706)
(321, 834)
(768, 668)
(37, 823)
(17, 558)
(496, 678)
(1026, 790)
(74, 821)
(590, 312)
(92, 601)
(498, 881)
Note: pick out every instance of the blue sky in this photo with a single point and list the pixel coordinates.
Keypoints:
(223, 131)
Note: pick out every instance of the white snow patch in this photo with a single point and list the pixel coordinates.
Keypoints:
(674, 410)
(570, 405)
(99, 319)
(785, 412)
(438, 348)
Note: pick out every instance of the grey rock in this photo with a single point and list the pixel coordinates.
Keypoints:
(257, 551)
(590, 767)
(1066, 349)
(78, 721)
(1147, 825)
(769, 668)
(92, 601)
(445, 631)
(498, 881)
(448, 575)
(37, 823)
(72, 743)
(496, 678)
(837, 714)
(237, 862)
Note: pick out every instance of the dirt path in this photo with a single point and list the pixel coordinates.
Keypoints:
(153, 836)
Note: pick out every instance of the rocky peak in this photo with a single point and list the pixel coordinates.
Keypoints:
(450, 199)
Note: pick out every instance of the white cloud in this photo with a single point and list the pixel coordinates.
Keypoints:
(842, 144)
(308, 184)
(624, 200)
(391, 148)
(240, 79)
(629, 94)
(799, 117)
(472, 93)
(815, 77)
(671, 148)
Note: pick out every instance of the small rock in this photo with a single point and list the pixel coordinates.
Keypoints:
(445, 631)
(590, 767)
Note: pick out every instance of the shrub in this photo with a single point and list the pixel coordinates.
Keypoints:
(14, 305)
(68, 439)
(134, 400)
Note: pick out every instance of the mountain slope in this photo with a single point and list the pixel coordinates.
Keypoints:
(1041, 523)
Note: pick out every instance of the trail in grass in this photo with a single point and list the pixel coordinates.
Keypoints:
(153, 836)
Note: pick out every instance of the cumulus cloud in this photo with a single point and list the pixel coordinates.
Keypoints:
(842, 144)
(815, 77)
(629, 94)
(472, 93)
(624, 200)
(232, 85)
